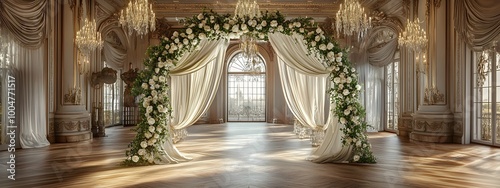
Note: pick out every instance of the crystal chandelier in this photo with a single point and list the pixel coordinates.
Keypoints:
(138, 16)
(87, 40)
(351, 19)
(248, 42)
(248, 46)
(247, 8)
(413, 37)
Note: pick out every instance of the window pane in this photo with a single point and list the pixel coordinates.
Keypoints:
(246, 91)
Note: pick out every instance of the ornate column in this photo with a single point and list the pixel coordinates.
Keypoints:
(408, 91)
(433, 121)
(71, 119)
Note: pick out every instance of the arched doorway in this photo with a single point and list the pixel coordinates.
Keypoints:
(246, 90)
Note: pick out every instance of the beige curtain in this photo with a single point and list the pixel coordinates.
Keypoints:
(25, 20)
(304, 79)
(478, 21)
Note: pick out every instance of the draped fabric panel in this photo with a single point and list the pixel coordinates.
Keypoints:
(382, 56)
(194, 85)
(193, 61)
(304, 95)
(114, 56)
(30, 95)
(294, 52)
(25, 20)
(478, 21)
(305, 80)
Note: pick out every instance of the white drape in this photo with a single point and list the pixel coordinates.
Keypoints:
(304, 81)
(194, 84)
(25, 20)
(478, 22)
(30, 95)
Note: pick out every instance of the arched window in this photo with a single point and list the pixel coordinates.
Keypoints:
(246, 89)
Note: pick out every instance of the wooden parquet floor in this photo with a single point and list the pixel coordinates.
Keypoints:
(253, 155)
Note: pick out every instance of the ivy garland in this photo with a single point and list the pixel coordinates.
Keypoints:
(151, 83)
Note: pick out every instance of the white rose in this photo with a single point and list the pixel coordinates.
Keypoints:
(364, 145)
(176, 40)
(259, 27)
(162, 79)
(358, 87)
(349, 80)
(264, 23)
(159, 129)
(313, 43)
(226, 26)
(301, 30)
(318, 30)
(202, 36)
(343, 120)
(290, 25)
(358, 143)
(340, 54)
(185, 41)
(151, 129)
(347, 112)
(156, 136)
(297, 24)
(338, 59)
(154, 93)
(341, 86)
(194, 42)
(144, 85)
(176, 34)
(274, 23)
(147, 135)
(330, 55)
(135, 158)
(280, 28)
(150, 142)
(244, 27)
(336, 80)
(346, 92)
(322, 47)
(235, 28)
(356, 158)
(189, 31)
(207, 28)
(149, 109)
(144, 144)
(262, 36)
(151, 121)
(329, 46)
(317, 38)
(216, 27)
(141, 151)
(200, 16)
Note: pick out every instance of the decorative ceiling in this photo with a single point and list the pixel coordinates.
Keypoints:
(170, 11)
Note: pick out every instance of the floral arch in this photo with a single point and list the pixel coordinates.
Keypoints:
(153, 145)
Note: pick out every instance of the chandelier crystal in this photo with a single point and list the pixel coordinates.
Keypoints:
(138, 16)
(248, 42)
(414, 37)
(87, 40)
(351, 19)
(248, 46)
(247, 8)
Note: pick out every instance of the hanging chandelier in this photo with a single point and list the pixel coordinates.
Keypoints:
(138, 16)
(248, 46)
(87, 40)
(248, 42)
(414, 37)
(351, 19)
(247, 8)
